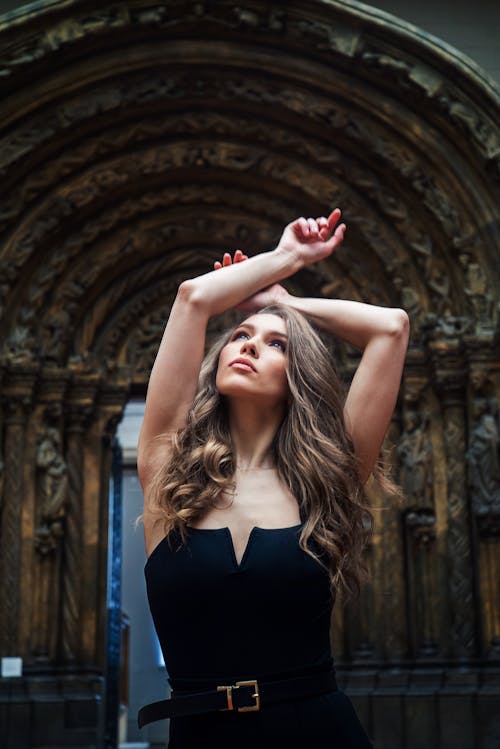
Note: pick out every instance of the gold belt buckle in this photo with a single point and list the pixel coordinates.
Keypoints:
(229, 693)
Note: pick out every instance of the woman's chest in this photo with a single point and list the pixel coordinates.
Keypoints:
(254, 504)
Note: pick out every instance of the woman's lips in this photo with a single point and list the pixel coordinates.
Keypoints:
(243, 365)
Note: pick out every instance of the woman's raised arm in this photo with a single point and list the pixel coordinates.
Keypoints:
(382, 334)
(174, 377)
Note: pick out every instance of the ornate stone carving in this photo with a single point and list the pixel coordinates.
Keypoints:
(458, 536)
(484, 482)
(17, 399)
(63, 33)
(489, 580)
(436, 200)
(53, 488)
(477, 289)
(482, 131)
(20, 346)
(416, 459)
(422, 525)
(483, 458)
(384, 63)
(446, 349)
(80, 412)
(51, 493)
(338, 38)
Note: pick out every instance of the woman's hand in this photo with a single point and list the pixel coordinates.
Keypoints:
(264, 297)
(307, 241)
(226, 260)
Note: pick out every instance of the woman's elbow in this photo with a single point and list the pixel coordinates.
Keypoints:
(190, 293)
(399, 325)
(186, 290)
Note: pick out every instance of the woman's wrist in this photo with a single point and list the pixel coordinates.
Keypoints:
(291, 259)
(229, 286)
(282, 296)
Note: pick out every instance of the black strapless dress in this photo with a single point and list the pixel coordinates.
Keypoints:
(268, 617)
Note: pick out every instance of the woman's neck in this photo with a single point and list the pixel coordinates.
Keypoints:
(252, 432)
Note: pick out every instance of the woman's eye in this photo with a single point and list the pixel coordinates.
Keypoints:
(241, 334)
(279, 344)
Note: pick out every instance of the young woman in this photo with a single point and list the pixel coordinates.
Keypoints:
(252, 465)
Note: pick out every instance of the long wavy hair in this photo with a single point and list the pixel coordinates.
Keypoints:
(313, 454)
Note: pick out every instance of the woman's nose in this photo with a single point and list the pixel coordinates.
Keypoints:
(248, 346)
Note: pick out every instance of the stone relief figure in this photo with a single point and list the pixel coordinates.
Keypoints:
(483, 458)
(142, 349)
(53, 490)
(416, 460)
(20, 344)
(448, 326)
(55, 335)
(476, 288)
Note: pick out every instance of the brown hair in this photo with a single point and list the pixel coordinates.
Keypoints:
(313, 452)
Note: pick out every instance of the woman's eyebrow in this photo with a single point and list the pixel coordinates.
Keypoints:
(277, 332)
(269, 332)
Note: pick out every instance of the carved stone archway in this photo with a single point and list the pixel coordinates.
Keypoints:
(139, 140)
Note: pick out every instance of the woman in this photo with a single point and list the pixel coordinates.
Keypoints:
(252, 466)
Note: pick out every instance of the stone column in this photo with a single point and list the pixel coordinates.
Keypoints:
(416, 463)
(17, 398)
(421, 533)
(449, 378)
(483, 465)
(51, 494)
(79, 412)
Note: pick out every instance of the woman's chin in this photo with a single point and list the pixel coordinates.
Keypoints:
(266, 402)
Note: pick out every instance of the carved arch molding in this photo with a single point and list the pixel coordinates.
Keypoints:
(139, 140)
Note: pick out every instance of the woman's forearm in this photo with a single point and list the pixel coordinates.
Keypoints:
(222, 289)
(303, 242)
(354, 322)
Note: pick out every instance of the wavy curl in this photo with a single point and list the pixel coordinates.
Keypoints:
(313, 452)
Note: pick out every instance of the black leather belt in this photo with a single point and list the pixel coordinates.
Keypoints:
(242, 696)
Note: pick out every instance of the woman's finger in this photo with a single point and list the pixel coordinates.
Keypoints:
(303, 226)
(323, 226)
(313, 228)
(338, 235)
(334, 217)
(226, 259)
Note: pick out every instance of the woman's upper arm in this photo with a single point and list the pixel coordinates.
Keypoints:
(174, 377)
(374, 390)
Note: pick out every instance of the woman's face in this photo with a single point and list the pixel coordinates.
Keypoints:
(253, 363)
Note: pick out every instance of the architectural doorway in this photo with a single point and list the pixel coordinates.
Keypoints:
(172, 132)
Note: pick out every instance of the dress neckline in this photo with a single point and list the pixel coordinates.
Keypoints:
(226, 529)
(255, 527)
